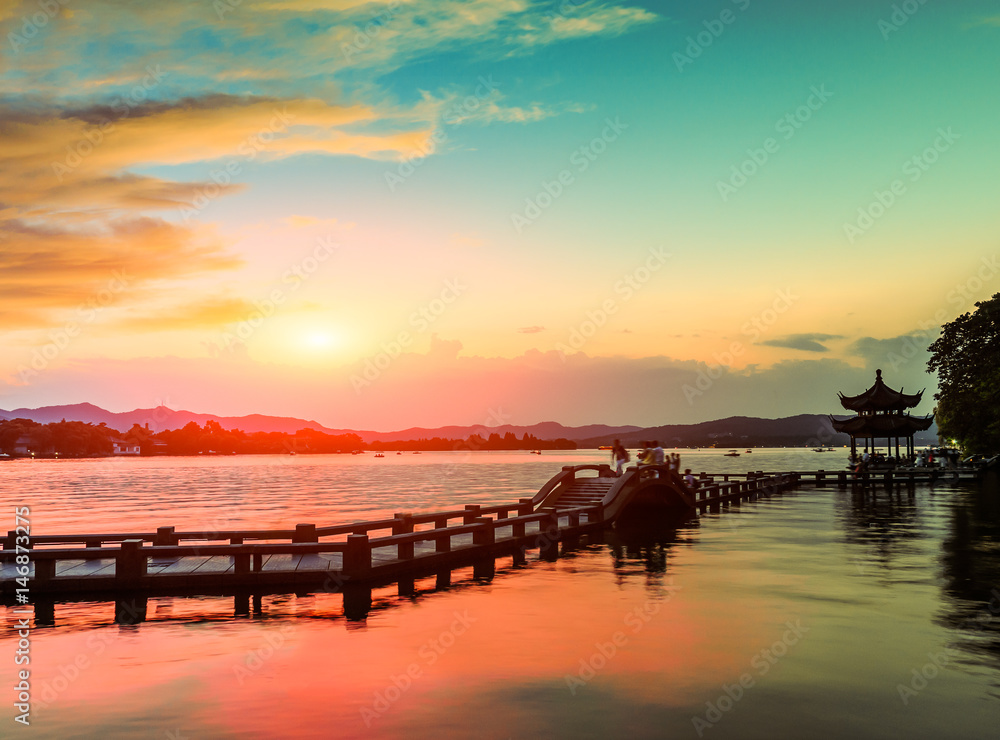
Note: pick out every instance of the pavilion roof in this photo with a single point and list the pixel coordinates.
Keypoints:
(883, 425)
(880, 397)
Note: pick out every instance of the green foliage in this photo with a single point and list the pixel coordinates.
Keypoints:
(77, 439)
(966, 358)
(67, 438)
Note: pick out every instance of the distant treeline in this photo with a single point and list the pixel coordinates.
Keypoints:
(509, 441)
(79, 439)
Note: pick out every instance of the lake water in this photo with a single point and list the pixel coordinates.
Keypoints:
(817, 613)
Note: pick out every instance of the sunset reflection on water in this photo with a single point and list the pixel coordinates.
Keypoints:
(821, 602)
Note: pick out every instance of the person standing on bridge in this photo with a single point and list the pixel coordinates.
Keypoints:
(659, 456)
(646, 456)
(619, 455)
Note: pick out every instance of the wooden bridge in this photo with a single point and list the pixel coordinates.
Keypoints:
(354, 557)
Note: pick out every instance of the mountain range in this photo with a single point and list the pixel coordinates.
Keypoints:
(811, 429)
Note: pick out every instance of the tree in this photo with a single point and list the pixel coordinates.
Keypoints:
(966, 358)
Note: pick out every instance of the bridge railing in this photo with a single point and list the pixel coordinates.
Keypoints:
(567, 476)
(301, 533)
(132, 557)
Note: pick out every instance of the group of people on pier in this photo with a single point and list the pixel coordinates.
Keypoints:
(650, 454)
(944, 457)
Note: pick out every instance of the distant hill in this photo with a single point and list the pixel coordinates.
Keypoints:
(737, 431)
(161, 418)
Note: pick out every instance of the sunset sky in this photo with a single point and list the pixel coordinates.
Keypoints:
(379, 215)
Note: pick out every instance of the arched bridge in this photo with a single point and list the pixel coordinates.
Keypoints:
(639, 489)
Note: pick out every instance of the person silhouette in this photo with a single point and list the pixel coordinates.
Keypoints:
(619, 456)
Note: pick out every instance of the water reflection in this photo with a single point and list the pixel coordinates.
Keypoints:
(657, 621)
(970, 567)
(643, 547)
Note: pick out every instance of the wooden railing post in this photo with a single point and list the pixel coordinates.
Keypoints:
(485, 533)
(241, 563)
(45, 570)
(403, 525)
(305, 533)
(595, 515)
(358, 557)
(442, 543)
(130, 563)
(524, 506)
(164, 537)
(471, 513)
(548, 533)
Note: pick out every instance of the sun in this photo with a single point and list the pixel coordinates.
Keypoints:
(319, 340)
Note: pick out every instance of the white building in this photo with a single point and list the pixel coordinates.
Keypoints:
(125, 448)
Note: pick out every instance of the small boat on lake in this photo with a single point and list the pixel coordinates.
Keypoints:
(732, 453)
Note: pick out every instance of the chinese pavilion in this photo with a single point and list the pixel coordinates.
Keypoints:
(880, 414)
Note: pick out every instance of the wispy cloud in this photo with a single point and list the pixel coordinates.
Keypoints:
(531, 329)
(803, 342)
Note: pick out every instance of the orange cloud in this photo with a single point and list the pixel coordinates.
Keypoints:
(74, 213)
(54, 266)
(211, 312)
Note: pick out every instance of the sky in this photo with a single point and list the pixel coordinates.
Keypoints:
(378, 215)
